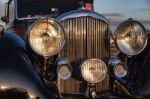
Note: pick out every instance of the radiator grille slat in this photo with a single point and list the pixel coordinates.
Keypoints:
(87, 37)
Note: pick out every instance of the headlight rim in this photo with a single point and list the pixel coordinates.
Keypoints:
(131, 21)
(27, 36)
(87, 60)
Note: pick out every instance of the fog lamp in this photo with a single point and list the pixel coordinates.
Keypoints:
(46, 37)
(64, 69)
(131, 37)
(119, 68)
(94, 70)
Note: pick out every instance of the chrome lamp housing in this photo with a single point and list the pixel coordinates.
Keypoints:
(46, 36)
(131, 37)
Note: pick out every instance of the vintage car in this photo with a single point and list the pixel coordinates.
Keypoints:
(63, 49)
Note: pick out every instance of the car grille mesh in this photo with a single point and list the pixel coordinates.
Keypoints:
(87, 37)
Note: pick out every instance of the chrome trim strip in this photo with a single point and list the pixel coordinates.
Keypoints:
(81, 13)
(24, 18)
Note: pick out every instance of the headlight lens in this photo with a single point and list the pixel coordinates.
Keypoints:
(46, 37)
(131, 37)
(94, 70)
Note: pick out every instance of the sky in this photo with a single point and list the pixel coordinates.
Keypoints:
(117, 11)
(120, 10)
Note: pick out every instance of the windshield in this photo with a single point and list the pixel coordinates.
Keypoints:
(28, 8)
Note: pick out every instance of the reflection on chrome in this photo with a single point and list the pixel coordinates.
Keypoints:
(15, 93)
(1, 29)
(3, 87)
(32, 96)
(124, 46)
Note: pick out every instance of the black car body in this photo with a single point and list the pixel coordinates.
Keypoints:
(64, 49)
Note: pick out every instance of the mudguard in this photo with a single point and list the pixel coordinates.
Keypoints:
(145, 77)
(16, 71)
(144, 73)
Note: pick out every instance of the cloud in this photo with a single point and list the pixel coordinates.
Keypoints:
(147, 1)
(115, 22)
(144, 9)
(113, 14)
(147, 22)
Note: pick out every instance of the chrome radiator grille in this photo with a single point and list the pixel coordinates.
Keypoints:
(87, 37)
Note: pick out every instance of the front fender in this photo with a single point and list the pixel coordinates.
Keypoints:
(144, 77)
(144, 70)
(16, 70)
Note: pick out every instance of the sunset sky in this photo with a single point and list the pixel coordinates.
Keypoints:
(118, 10)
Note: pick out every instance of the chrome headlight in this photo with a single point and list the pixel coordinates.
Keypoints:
(131, 37)
(94, 70)
(46, 37)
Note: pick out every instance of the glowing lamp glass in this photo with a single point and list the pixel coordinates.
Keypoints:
(46, 37)
(94, 70)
